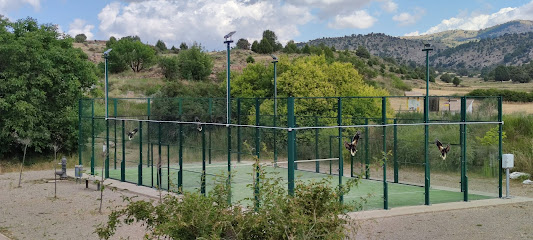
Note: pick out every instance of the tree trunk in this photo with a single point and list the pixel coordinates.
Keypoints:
(22, 164)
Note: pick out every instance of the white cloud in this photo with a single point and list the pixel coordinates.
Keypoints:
(406, 18)
(331, 8)
(480, 21)
(203, 21)
(389, 6)
(79, 26)
(415, 33)
(359, 19)
(7, 5)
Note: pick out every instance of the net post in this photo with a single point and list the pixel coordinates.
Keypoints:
(92, 137)
(210, 110)
(140, 166)
(80, 137)
(202, 188)
(341, 162)
(106, 158)
(168, 167)
(461, 152)
(159, 172)
(239, 133)
(317, 164)
(115, 121)
(257, 132)
(123, 162)
(148, 133)
(330, 152)
(151, 162)
(367, 159)
(384, 122)
(274, 122)
(465, 177)
(180, 160)
(500, 147)
(395, 150)
(426, 152)
(228, 121)
(290, 144)
(295, 146)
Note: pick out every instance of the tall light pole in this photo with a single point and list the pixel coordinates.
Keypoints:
(275, 60)
(427, 48)
(228, 113)
(106, 56)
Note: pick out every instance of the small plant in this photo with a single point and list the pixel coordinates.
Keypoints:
(250, 59)
(26, 142)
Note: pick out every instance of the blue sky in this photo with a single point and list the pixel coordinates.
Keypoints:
(207, 21)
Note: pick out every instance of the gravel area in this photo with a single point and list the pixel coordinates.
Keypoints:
(31, 212)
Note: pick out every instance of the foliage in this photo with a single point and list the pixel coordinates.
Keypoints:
(250, 59)
(112, 40)
(256, 80)
(306, 49)
(194, 64)
(255, 46)
(268, 43)
(169, 66)
(42, 78)
(243, 44)
(491, 137)
(501, 73)
(519, 133)
(183, 46)
(160, 46)
(507, 95)
(291, 47)
(80, 38)
(314, 212)
(130, 52)
(362, 52)
(456, 81)
(447, 78)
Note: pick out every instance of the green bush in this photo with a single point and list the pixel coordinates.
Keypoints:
(314, 212)
(194, 64)
(169, 66)
(508, 95)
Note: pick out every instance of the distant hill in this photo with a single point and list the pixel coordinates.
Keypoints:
(510, 43)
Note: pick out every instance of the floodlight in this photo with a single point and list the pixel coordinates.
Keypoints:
(107, 52)
(229, 34)
(274, 57)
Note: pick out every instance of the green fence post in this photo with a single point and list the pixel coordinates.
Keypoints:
(168, 167)
(295, 146)
(106, 163)
(210, 127)
(317, 155)
(148, 133)
(426, 151)
(330, 153)
(461, 151)
(367, 159)
(159, 173)
(239, 144)
(395, 151)
(80, 137)
(92, 140)
(202, 187)
(290, 144)
(257, 132)
(180, 160)
(384, 122)
(123, 163)
(275, 139)
(140, 167)
(115, 121)
(465, 176)
(500, 146)
(341, 161)
(228, 184)
(151, 160)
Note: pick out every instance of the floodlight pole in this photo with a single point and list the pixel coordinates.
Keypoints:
(275, 107)
(427, 48)
(228, 41)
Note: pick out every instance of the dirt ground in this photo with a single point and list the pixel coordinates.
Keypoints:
(31, 212)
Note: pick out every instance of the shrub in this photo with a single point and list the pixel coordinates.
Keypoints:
(313, 213)
(250, 59)
(169, 66)
(194, 64)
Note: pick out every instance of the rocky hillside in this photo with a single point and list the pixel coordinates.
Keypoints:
(509, 43)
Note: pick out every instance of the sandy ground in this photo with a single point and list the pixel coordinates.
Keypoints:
(31, 212)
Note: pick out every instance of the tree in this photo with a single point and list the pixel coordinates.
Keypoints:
(447, 78)
(271, 38)
(362, 52)
(169, 66)
(255, 47)
(519, 74)
(112, 40)
(501, 73)
(194, 64)
(183, 46)
(306, 49)
(132, 53)
(250, 59)
(80, 38)
(243, 44)
(265, 47)
(42, 77)
(291, 47)
(160, 45)
(456, 81)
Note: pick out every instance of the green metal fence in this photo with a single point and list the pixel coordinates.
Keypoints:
(170, 152)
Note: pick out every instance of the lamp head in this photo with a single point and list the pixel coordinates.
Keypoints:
(106, 53)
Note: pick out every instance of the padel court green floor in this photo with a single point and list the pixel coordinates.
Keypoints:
(371, 190)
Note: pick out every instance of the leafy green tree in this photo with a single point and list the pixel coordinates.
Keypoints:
(128, 52)
(501, 73)
(250, 59)
(447, 78)
(243, 44)
(160, 45)
(194, 64)
(362, 52)
(80, 38)
(265, 47)
(255, 47)
(306, 49)
(169, 66)
(183, 46)
(291, 47)
(272, 39)
(456, 81)
(112, 40)
(519, 74)
(41, 79)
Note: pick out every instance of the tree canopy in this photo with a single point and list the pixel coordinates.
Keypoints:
(243, 44)
(194, 64)
(130, 52)
(42, 78)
